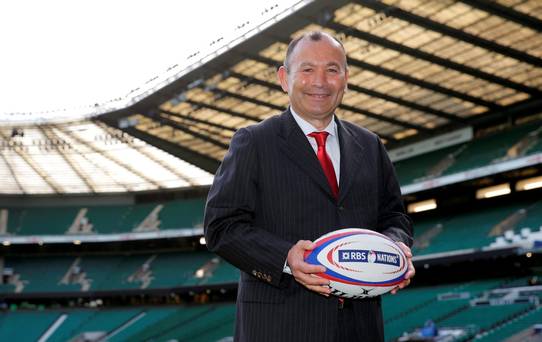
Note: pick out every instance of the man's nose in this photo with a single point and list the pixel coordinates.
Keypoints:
(319, 77)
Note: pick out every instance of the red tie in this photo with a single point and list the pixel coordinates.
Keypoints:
(326, 163)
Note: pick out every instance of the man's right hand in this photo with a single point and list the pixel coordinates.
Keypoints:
(304, 273)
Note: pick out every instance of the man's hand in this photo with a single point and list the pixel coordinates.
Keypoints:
(304, 273)
(411, 271)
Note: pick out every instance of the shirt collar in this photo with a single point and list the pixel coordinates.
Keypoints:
(308, 128)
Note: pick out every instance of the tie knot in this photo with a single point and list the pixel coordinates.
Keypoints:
(320, 137)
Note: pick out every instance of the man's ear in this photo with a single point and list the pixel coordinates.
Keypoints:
(283, 77)
(346, 80)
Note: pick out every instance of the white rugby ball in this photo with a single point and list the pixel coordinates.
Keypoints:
(359, 262)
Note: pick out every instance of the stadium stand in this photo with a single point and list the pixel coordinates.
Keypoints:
(105, 321)
(475, 229)
(426, 166)
(411, 308)
(153, 317)
(105, 219)
(518, 325)
(25, 326)
(485, 317)
(493, 148)
(454, 306)
(117, 272)
(40, 221)
(70, 323)
(183, 323)
(432, 235)
(447, 305)
(191, 325)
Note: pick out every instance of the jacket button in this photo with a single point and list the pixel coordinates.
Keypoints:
(341, 208)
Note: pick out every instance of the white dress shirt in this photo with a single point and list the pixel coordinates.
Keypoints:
(332, 142)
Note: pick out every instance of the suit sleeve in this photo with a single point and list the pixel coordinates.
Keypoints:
(392, 220)
(229, 215)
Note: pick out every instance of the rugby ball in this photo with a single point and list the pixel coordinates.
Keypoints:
(359, 262)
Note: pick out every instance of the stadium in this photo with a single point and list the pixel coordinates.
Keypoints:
(101, 217)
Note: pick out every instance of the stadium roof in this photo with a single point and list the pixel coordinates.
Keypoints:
(417, 68)
(87, 157)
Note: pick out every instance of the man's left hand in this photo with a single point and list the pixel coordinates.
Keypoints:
(411, 271)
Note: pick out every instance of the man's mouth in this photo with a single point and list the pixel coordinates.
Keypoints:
(318, 96)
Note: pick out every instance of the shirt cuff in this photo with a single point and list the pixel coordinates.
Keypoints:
(286, 268)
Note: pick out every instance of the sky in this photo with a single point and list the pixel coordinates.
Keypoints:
(72, 54)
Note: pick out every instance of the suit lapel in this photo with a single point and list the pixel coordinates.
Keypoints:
(295, 145)
(351, 155)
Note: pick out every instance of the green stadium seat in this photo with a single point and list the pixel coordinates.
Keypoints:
(470, 155)
(152, 316)
(30, 269)
(417, 169)
(25, 325)
(41, 221)
(514, 326)
(410, 308)
(112, 272)
(182, 319)
(105, 320)
(201, 326)
(105, 219)
(462, 231)
(68, 328)
(485, 316)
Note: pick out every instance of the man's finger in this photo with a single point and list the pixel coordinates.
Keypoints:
(303, 267)
(411, 270)
(410, 274)
(307, 279)
(405, 248)
(310, 269)
(401, 286)
(324, 290)
(404, 284)
(305, 245)
(397, 288)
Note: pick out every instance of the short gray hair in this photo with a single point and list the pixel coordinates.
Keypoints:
(314, 36)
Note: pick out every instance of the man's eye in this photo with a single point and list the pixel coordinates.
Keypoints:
(333, 70)
(307, 70)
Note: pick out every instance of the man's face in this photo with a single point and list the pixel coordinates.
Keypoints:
(316, 79)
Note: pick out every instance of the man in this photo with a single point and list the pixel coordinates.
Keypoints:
(287, 181)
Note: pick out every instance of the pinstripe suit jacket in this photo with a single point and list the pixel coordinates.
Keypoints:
(269, 192)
